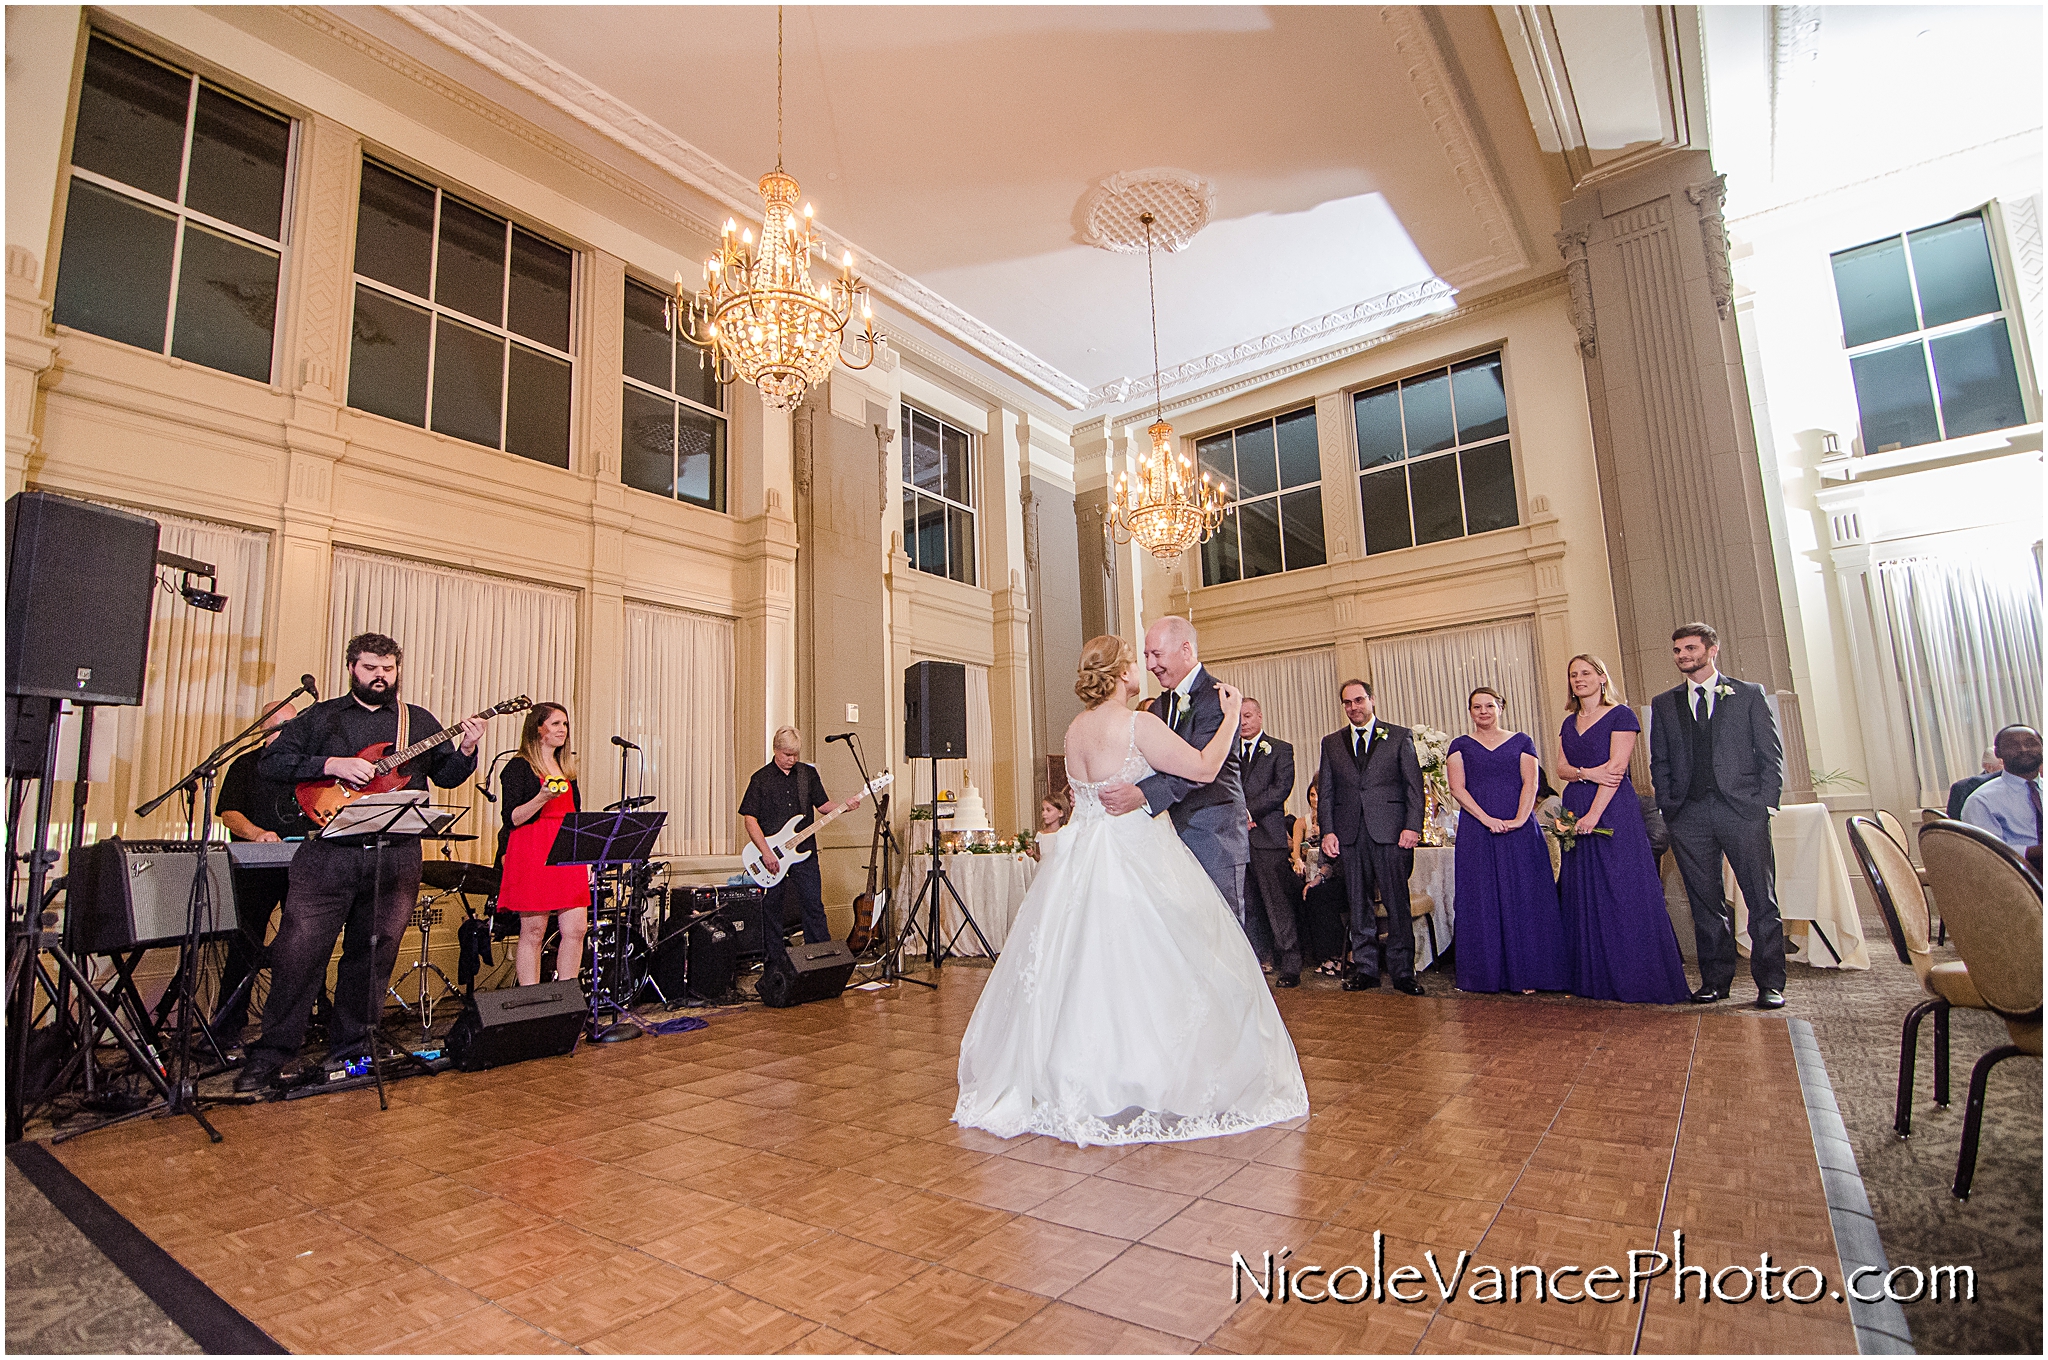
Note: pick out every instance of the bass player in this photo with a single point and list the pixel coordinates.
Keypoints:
(336, 882)
(783, 788)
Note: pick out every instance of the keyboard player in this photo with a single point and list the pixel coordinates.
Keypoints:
(254, 809)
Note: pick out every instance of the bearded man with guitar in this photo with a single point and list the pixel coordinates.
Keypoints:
(787, 787)
(339, 882)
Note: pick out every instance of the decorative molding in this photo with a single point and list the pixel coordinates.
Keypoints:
(1795, 51)
(1180, 201)
(331, 170)
(1578, 275)
(884, 437)
(1708, 197)
(22, 264)
(803, 440)
(605, 365)
(2023, 232)
(1029, 500)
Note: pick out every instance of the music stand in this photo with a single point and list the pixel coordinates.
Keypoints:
(609, 842)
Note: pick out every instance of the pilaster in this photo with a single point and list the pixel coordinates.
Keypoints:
(1004, 473)
(31, 351)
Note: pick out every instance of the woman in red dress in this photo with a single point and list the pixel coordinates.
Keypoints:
(535, 791)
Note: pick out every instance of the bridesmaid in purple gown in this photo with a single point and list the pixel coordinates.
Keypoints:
(1617, 932)
(1510, 938)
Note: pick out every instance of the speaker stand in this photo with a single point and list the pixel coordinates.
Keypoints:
(937, 880)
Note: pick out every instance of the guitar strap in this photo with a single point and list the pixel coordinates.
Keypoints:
(404, 724)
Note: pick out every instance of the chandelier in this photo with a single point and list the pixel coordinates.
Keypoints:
(1168, 512)
(759, 314)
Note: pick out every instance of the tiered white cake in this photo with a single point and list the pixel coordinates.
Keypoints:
(970, 813)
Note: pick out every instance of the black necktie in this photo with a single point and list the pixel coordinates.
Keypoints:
(1699, 703)
(2034, 797)
(1359, 736)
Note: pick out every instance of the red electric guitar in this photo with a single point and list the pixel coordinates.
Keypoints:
(322, 798)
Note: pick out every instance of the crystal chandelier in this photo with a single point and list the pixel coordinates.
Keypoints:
(759, 314)
(1168, 512)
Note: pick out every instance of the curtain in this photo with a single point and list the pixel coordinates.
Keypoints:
(205, 681)
(1424, 678)
(980, 764)
(1965, 640)
(470, 640)
(1297, 694)
(678, 707)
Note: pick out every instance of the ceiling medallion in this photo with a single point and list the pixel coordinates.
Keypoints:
(759, 314)
(1179, 203)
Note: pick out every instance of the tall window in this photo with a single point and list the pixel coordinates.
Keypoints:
(1925, 327)
(461, 320)
(1434, 456)
(174, 225)
(1273, 474)
(673, 431)
(938, 496)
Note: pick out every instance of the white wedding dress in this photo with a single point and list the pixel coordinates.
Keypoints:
(1127, 1005)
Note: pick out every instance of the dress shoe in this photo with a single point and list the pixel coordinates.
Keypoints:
(1707, 994)
(1287, 980)
(1409, 987)
(1770, 999)
(1362, 982)
(257, 1074)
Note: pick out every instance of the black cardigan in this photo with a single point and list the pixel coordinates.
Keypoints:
(518, 785)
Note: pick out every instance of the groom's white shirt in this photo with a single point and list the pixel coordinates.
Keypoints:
(1692, 693)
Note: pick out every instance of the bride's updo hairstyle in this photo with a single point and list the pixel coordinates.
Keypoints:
(1103, 663)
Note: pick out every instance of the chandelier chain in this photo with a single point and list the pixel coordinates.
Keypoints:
(1152, 291)
(778, 87)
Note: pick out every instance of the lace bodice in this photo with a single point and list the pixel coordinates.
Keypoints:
(1088, 797)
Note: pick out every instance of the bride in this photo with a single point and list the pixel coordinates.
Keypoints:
(1128, 1006)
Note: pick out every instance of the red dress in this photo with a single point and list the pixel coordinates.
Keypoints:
(527, 881)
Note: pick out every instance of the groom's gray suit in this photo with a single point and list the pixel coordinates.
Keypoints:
(1210, 817)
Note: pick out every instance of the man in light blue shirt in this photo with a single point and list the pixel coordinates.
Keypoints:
(2009, 806)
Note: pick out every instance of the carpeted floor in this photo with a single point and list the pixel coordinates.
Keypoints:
(65, 1297)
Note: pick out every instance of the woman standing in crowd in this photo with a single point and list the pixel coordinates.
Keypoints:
(1618, 934)
(1510, 937)
(1324, 909)
(536, 790)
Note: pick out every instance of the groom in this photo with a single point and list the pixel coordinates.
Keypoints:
(1210, 817)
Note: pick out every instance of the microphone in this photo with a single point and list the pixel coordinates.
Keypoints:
(621, 741)
(483, 785)
(306, 683)
(840, 736)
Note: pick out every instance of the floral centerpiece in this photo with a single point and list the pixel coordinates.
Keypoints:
(1433, 753)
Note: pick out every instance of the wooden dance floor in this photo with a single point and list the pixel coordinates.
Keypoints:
(790, 1181)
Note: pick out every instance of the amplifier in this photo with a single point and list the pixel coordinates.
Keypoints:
(135, 895)
(816, 972)
(713, 963)
(739, 910)
(516, 1023)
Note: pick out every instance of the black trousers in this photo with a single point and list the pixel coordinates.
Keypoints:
(1270, 894)
(258, 893)
(336, 892)
(801, 893)
(1367, 866)
(1702, 832)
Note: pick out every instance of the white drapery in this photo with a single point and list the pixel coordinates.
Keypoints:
(980, 765)
(1297, 694)
(678, 706)
(205, 681)
(1424, 678)
(1965, 641)
(470, 641)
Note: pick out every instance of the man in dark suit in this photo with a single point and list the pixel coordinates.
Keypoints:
(1719, 768)
(1209, 817)
(1369, 789)
(1268, 769)
(1960, 791)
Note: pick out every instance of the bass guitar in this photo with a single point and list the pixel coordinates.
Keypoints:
(782, 841)
(322, 798)
(868, 907)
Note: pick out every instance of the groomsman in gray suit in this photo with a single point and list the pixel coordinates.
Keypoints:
(1270, 890)
(1371, 801)
(1719, 769)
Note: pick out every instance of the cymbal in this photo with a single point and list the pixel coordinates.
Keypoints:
(450, 875)
(452, 836)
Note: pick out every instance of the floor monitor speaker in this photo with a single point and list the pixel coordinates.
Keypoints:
(935, 711)
(816, 972)
(516, 1023)
(80, 581)
(713, 969)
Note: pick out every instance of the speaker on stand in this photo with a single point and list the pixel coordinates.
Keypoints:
(935, 729)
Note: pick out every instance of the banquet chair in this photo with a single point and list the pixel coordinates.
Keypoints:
(1422, 905)
(1904, 907)
(1994, 903)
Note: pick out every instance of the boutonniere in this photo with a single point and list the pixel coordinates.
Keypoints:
(1265, 748)
(1725, 691)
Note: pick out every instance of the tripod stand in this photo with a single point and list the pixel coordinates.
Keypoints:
(936, 879)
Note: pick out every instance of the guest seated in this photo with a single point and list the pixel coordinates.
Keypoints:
(2009, 804)
(1960, 791)
(1509, 936)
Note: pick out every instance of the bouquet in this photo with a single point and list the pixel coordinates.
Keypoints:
(1566, 828)
(1432, 753)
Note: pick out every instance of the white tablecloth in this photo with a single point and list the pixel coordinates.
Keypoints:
(1813, 886)
(1434, 874)
(992, 886)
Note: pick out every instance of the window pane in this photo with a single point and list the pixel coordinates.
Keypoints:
(645, 354)
(470, 275)
(647, 458)
(1433, 486)
(924, 452)
(700, 458)
(695, 377)
(114, 276)
(238, 154)
(131, 120)
(539, 294)
(1219, 552)
(1894, 398)
(1258, 528)
(468, 381)
(227, 304)
(1952, 268)
(1426, 410)
(1257, 472)
(1378, 414)
(387, 358)
(960, 545)
(1873, 292)
(1980, 389)
(1385, 497)
(953, 454)
(930, 554)
(1301, 528)
(1481, 399)
(1489, 488)
(1301, 461)
(395, 230)
(1213, 456)
(537, 407)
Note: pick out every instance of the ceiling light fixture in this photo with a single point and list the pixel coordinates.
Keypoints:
(759, 315)
(1169, 512)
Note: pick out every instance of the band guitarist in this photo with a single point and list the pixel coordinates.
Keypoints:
(783, 788)
(335, 882)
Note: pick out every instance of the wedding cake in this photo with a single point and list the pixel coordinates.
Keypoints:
(970, 813)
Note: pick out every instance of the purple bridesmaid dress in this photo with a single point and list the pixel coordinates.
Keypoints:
(1617, 931)
(1510, 937)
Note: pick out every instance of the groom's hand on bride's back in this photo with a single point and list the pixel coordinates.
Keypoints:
(1119, 798)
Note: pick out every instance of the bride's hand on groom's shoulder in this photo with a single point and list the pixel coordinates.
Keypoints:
(1231, 696)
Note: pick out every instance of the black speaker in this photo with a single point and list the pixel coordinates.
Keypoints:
(935, 710)
(713, 954)
(670, 973)
(80, 579)
(816, 972)
(516, 1023)
(137, 894)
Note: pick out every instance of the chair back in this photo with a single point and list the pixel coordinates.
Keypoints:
(1929, 816)
(1993, 909)
(1896, 887)
(1896, 829)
